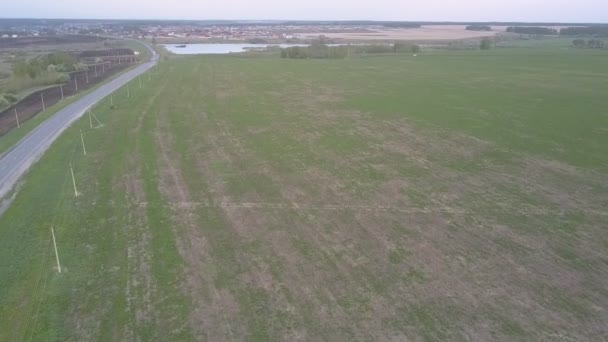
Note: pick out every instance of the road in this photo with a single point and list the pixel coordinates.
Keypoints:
(15, 163)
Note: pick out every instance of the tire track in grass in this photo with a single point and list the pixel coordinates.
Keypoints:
(140, 286)
(192, 245)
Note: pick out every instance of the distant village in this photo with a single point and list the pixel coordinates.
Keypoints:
(166, 30)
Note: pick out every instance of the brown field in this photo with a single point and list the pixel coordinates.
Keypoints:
(431, 32)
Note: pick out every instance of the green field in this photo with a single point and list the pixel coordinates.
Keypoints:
(449, 196)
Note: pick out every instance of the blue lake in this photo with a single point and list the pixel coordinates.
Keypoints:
(194, 49)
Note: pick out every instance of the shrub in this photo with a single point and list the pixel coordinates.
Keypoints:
(10, 97)
(38, 66)
(579, 43)
(486, 44)
(4, 102)
(79, 67)
(595, 44)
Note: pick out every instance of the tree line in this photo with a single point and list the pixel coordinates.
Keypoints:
(317, 50)
(324, 51)
(55, 62)
(42, 70)
(585, 31)
(590, 44)
(599, 30)
(532, 30)
(478, 28)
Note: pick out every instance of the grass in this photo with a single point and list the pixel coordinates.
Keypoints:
(451, 196)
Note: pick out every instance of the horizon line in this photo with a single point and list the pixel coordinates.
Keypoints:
(321, 20)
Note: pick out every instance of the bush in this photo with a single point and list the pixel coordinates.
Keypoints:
(591, 43)
(402, 46)
(595, 44)
(38, 66)
(61, 78)
(79, 67)
(24, 69)
(486, 44)
(4, 102)
(45, 78)
(579, 43)
(11, 98)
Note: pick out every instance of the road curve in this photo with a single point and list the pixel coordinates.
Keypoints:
(15, 163)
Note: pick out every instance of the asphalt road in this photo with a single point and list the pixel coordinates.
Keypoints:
(15, 163)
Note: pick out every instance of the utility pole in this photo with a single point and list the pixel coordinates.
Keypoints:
(90, 121)
(61, 87)
(95, 69)
(56, 253)
(86, 73)
(76, 82)
(42, 98)
(84, 149)
(128, 91)
(73, 181)
(149, 72)
(96, 119)
(17, 118)
(103, 67)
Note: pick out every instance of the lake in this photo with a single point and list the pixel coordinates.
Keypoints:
(194, 49)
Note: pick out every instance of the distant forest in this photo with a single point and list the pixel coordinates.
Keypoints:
(595, 30)
(479, 28)
(585, 31)
(532, 30)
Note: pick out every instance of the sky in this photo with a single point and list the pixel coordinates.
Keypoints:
(407, 10)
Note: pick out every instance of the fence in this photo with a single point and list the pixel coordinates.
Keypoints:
(36, 102)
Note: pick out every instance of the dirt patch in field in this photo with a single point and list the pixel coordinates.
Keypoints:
(437, 32)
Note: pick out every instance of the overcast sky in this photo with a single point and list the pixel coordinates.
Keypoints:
(431, 10)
